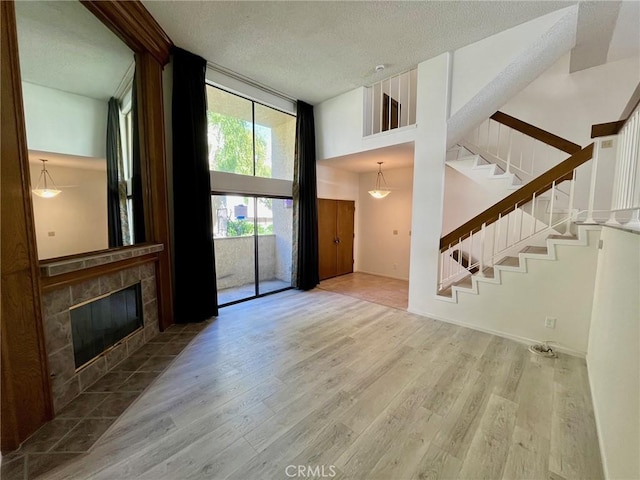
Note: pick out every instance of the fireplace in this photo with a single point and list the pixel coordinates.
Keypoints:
(102, 322)
(75, 360)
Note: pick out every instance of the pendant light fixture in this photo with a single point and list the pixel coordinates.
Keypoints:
(42, 188)
(378, 192)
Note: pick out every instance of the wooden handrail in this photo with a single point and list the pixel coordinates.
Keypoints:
(537, 133)
(561, 172)
(632, 104)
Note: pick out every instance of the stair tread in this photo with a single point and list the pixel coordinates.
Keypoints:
(509, 262)
(562, 237)
(447, 292)
(466, 282)
(534, 249)
(489, 272)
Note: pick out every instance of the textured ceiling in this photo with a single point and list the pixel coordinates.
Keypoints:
(313, 51)
(63, 46)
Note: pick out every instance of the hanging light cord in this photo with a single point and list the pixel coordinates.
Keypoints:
(380, 174)
(43, 176)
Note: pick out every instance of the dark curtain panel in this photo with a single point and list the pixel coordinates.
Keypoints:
(305, 261)
(114, 152)
(195, 277)
(137, 192)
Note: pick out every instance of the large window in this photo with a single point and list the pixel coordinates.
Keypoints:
(252, 217)
(248, 138)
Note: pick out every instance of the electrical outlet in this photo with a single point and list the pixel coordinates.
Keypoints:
(395, 232)
(607, 143)
(51, 234)
(550, 322)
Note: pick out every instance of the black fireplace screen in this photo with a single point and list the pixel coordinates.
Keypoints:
(100, 324)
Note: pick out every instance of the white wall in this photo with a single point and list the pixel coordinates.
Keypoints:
(336, 184)
(380, 250)
(77, 216)
(613, 358)
(463, 200)
(475, 65)
(428, 178)
(62, 122)
(529, 64)
(568, 104)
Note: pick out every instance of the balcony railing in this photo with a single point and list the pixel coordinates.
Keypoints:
(390, 103)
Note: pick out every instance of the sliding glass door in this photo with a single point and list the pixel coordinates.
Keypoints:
(252, 239)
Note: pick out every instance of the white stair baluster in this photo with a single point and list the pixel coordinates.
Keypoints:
(571, 195)
(470, 260)
(515, 224)
(533, 214)
(482, 244)
(594, 179)
(509, 152)
(553, 196)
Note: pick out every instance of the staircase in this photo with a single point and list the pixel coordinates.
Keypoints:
(518, 262)
(531, 216)
(490, 176)
(537, 211)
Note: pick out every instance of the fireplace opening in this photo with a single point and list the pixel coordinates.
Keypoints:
(101, 323)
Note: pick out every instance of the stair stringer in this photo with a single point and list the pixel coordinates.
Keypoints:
(487, 172)
(582, 240)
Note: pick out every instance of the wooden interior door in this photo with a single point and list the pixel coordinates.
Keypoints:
(345, 210)
(335, 237)
(327, 267)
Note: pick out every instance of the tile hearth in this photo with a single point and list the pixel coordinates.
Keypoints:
(83, 421)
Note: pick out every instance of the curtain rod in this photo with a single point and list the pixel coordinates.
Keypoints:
(248, 81)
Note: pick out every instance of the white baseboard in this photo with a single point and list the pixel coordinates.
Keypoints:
(381, 275)
(516, 338)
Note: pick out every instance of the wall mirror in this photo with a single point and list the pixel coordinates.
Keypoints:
(80, 118)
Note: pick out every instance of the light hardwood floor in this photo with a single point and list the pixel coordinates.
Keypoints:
(364, 390)
(391, 292)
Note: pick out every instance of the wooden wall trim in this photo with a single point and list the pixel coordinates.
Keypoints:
(612, 128)
(26, 391)
(606, 129)
(78, 276)
(561, 172)
(537, 133)
(135, 26)
(152, 144)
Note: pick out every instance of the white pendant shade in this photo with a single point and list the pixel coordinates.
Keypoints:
(46, 192)
(42, 188)
(379, 193)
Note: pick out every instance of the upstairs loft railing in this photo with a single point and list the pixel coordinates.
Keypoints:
(390, 103)
(518, 147)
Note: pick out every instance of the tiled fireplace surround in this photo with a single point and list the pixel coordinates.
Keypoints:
(67, 383)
